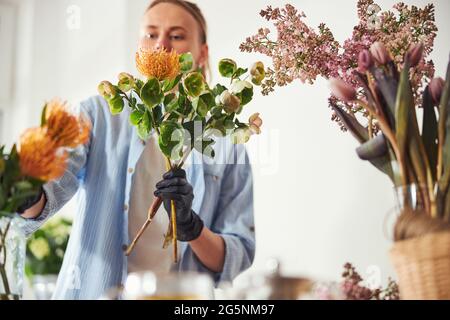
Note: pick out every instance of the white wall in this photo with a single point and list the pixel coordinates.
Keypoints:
(317, 205)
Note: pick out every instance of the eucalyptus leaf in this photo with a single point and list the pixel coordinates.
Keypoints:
(186, 62)
(151, 93)
(429, 130)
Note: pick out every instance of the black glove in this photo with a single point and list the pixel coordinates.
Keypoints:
(174, 186)
(31, 201)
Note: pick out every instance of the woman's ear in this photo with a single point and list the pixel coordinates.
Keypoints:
(204, 55)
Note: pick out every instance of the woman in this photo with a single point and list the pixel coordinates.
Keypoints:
(115, 175)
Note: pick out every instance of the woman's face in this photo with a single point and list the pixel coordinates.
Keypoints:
(169, 26)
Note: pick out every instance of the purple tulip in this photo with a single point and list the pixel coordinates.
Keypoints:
(341, 90)
(414, 54)
(380, 53)
(435, 88)
(365, 61)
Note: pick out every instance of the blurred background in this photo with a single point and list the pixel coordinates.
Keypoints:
(317, 205)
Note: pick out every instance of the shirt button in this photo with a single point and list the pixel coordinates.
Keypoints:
(215, 178)
(130, 170)
(125, 207)
(124, 247)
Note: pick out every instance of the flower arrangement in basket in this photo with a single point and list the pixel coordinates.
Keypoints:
(175, 102)
(384, 94)
(41, 156)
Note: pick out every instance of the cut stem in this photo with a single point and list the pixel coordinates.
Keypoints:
(151, 213)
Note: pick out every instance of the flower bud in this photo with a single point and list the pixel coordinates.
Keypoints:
(435, 88)
(342, 90)
(126, 82)
(230, 102)
(255, 123)
(258, 73)
(365, 61)
(379, 53)
(107, 90)
(414, 54)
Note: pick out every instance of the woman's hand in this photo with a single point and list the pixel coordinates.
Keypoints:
(174, 186)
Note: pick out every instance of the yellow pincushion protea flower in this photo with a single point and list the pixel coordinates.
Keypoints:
(64, 128)
(39, 156)
(159, 64)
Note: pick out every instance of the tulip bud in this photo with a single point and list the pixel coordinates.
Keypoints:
(435, 88)
(258, 73)
(342, 90)
(230, 102)
(365, 61)
(107, 90)
(414, 54)
(379, 53)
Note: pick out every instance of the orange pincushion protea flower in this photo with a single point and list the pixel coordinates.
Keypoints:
(159, 64)
(39, 156)
(64, 128)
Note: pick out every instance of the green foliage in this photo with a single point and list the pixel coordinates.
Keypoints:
(182, 110)
(46, 247)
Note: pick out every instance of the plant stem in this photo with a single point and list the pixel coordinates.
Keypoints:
(3, 265)
(173, 219)
(151, 213)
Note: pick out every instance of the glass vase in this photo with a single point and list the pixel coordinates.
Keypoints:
(12, 258)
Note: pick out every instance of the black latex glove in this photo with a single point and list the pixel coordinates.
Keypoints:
(174, 186)
(30, 201)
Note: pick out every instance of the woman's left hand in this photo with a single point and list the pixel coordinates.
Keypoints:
(174, 186)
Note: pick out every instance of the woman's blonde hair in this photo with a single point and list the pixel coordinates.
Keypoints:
(195, 12)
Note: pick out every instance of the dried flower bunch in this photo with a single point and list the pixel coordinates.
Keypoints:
(175, 102)
(303, 53)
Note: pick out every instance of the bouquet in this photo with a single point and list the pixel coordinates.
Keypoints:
(41, 156)
(176, 103)
(381, 81)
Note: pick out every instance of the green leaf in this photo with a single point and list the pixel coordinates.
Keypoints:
(145, 126)
(444, 127)
(429, 131)
(116, 104)
(245, 96)
(43, 117)
(194, 84)
(205, 147)
(151, 93)
(227, 68)
(170, 102)
(186, 62)
(373, 148)
(136, 117)
(218, 89)
(239, 72)
(200, 107)
(351, 124)
(168, 84)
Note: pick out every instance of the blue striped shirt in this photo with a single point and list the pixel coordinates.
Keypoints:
(97, 175)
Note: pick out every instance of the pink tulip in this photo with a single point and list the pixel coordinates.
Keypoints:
(435, 88)
(414, 54)
(365, 61)
(380, 53)
(341, 90)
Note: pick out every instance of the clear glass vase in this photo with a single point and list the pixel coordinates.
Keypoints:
(12, 258)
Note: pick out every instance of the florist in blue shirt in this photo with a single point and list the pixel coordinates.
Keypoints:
(214, 198)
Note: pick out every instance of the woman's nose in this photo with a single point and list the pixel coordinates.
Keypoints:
(163, 43)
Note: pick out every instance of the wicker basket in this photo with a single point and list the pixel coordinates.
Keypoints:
(423, 266)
